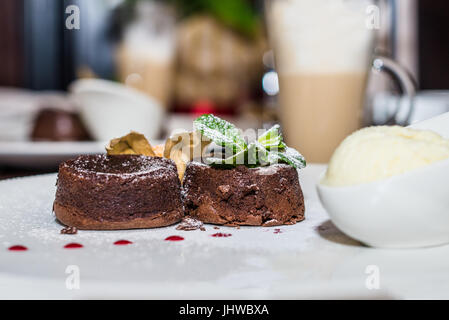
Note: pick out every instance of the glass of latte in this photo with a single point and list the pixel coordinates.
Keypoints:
(324, 54)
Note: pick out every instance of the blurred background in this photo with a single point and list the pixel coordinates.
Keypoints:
(82, 70)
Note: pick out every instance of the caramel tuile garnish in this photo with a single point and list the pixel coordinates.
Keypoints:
(183, 147)
(132, 143)
(159, 150)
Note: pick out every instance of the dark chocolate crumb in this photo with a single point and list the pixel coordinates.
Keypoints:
(189, 224)
(69, 230)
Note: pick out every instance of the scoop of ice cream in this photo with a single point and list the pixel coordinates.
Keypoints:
(380, 152)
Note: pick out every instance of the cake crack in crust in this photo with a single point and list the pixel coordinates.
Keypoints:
(118, 192)
(266, 196)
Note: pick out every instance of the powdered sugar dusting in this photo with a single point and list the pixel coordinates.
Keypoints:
(119, 165)
(268, 170)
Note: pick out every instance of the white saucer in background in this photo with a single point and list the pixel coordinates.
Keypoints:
(40, 155)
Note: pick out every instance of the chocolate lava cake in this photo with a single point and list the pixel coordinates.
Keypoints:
(104, 192)
(58, 125)
(266, 196)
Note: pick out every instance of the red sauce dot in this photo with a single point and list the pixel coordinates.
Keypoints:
(221, 235)
(276, 231)
(174, 238)
(122, 242)
(17, 248)
(73, 245)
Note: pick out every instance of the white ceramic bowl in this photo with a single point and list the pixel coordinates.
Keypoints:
(111, 110)
(404, 211)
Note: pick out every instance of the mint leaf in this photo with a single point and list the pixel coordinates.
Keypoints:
(238, 158)
(272, 139)
(289, 156)
(221, 132)
(257, 154)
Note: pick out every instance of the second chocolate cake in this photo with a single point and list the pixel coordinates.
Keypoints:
(266, 196)
(118, 192)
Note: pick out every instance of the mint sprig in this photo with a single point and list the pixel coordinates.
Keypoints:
(221, 132)
(268, 149)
